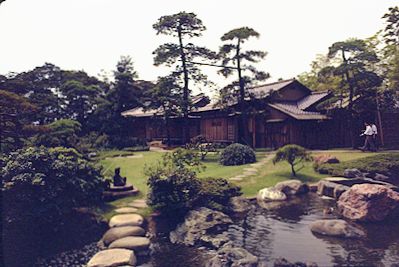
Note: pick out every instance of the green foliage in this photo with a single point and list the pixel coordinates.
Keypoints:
(174, 188)
(200, 144)
(40, 185)
(60, 133)
(392, 26)
(16, 120)
(293, 154)
(216, 193)
(387, 164)
(237, 154)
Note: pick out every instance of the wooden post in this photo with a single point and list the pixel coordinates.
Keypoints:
(380, 131)
(253, 131)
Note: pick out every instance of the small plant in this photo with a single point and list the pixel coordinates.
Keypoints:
(200, 144)
(237, 154)
(294, 155)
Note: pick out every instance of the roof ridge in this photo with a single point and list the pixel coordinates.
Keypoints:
(273, 83)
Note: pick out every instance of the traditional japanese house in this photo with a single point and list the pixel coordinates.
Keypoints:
(282, 112)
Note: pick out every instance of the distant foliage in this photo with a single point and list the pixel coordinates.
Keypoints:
(237, 154)
(60, 133)
(294, 155)
(40, 185)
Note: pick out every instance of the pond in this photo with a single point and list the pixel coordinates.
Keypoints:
(280, 232)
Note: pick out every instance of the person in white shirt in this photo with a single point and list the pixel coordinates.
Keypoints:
(375, 132)
(368, 141)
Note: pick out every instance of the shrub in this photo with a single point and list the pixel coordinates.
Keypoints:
(200, 144)
(43, 184)
(293, 154)
(237, 154)
(216, 193)
(60, 133)
(175, 188)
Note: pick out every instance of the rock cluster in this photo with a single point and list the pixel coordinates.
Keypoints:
(124, 240)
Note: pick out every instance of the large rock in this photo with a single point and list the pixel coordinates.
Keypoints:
(126, 220)
(337, 228)
(119, 232)
(369, 202)
(136, 243)
(202, 226)
(270, 194)
(230, 256)
(322, 159)
(113, 257)
(331, 187)
(353, 173)
(292, 187)
(240, 204)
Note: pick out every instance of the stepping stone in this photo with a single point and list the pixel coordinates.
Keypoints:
(136, 243)
(126, 220)
(126, 210)
(250, 170)
(119, 232)
(138, 203)
(113, 257)
(235, 179)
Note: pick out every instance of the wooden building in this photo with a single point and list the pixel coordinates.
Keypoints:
(282, 113)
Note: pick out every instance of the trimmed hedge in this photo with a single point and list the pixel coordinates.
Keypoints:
(237, 154)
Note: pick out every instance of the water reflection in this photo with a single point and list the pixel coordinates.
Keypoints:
(282, 230)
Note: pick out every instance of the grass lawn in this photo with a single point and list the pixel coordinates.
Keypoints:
(132, 166)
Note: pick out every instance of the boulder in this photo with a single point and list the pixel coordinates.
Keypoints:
(229, 256)
(292, 187)
(119, 232)
(136, 243)
(282, 262)
(204, 227)
(270, 194)
(352, 173)
(322, 159)
(336, 228)
(113, 257)
(126, 220)
(240, 204)
(368, 202)
(331, 187)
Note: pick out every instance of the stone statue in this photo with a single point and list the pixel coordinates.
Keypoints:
(118, 179)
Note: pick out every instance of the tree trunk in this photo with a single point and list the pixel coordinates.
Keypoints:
(351, 93)
(185, 104)
(293, 170)
(243, 121)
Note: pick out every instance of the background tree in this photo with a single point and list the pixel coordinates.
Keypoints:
(181, 54)
(80, 100)
(15, 120)
(60, 133)
(294, 155)
(237, 91)
(166, 96)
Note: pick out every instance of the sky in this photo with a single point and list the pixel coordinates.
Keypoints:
(91, 35)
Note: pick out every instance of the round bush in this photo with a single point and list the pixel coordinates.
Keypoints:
(237, 154)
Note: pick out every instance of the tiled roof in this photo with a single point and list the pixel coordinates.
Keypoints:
(140, 112)
(266, 89)
(292, 109)
(311, 99)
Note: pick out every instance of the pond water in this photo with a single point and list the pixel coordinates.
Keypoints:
(271, 234)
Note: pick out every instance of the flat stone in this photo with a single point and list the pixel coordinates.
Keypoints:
(126, 187)
(137, 243)
(119, 232)
(237, 178)
(126, 220)
(138, 203)
(250, 170)
(113, 257)
(126, 210)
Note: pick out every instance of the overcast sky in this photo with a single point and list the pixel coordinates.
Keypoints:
(91, 35)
